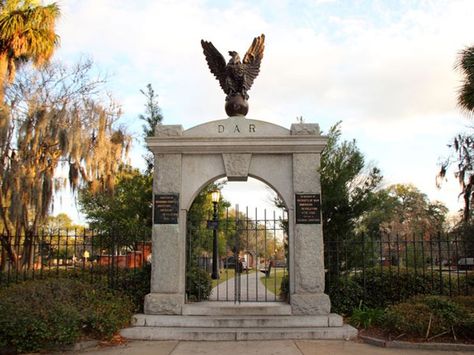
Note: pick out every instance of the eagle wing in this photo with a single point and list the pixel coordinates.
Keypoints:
(252, 59)
(216, 63)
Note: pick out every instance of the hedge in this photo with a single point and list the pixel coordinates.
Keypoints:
(431, 316)
(390, 285)
(49, 314)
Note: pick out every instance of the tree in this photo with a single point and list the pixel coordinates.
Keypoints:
(404, 211)
(403, 219)
(56, 118)
(199, 237)
(242, 233)
(463, 157)
(463, 143)
(347, 186)
(152, 118)
(62, 223)
(126, 212)
(465, 64)
(27, 33)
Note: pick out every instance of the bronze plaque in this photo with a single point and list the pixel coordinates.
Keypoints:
(166, 209)
(308, 208)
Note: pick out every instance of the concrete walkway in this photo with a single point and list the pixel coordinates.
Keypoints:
(251, 289)
(277, 347)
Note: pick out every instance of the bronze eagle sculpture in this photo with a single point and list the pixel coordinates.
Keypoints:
(235, 77)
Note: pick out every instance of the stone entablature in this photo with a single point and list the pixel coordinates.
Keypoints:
(267, 138)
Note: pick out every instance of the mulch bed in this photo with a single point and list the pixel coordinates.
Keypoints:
(382, 335)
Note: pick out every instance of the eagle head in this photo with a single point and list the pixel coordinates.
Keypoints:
(235, 58)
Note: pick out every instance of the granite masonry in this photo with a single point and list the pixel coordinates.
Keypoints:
(237, 147)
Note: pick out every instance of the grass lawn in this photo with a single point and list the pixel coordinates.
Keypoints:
(270, 280)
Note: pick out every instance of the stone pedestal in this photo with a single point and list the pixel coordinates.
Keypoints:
(310, 304)
(163, 303)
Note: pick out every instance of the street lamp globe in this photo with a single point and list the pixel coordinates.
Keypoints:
(215, 195)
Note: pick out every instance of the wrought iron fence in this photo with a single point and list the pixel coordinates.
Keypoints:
(442, 264)
(98, 256)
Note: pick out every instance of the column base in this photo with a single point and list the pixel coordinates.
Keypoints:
(163, 303)
(310, 304)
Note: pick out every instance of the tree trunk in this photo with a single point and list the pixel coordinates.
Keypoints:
(3, 76)
(9, 251)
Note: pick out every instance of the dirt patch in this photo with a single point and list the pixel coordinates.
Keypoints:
(446, 338)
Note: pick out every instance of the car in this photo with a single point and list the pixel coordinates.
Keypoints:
(229, 262)
(466, 264)
(280, 263)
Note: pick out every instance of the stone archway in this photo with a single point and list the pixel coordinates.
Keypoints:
(236, 147)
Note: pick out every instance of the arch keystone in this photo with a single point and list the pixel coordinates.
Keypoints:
(237, 166)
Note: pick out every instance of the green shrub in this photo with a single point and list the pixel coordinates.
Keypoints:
(285, 287)
(387, 286)
(198, 285)
(451, 313)
(391, 285)
(408, 318)
(345, 295)
(366, 317)
(135, 283)
(47, 314)
(465, 301)
(462, 283)
(104, 312)
(426, 316)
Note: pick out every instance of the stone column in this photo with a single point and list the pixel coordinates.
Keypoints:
(167, 277)
(308, 295)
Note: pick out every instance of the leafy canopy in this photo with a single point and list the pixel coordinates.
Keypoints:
(127, 211)
(403, 210)
(27, 33)
(347, 186)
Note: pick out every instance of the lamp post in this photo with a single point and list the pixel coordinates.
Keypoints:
(215, 195)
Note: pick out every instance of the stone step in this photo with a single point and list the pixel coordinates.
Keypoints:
(237, 309)
(211, 334)
(147, 320)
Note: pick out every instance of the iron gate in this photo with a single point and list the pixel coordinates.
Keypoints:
(252, 258)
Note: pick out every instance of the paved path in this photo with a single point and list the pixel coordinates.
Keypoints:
(276, 347)
(251, 289)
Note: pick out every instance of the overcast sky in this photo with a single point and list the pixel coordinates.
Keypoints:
(383, 68)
